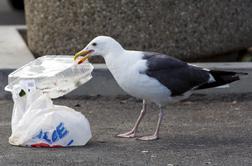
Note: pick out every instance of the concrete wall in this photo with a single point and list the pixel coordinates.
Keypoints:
(186, 29)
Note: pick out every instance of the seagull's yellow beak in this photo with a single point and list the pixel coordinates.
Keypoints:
(85, 53)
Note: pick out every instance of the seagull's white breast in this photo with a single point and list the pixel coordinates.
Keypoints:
(129, 69)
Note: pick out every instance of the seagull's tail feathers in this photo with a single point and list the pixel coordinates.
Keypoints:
(221, 78)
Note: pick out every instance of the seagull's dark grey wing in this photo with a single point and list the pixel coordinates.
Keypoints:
(176, 75)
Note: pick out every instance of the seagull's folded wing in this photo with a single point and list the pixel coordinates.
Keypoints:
(178, 76)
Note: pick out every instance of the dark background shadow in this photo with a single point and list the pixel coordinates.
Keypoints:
(12, 12)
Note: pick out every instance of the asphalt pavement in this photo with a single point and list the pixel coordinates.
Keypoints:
(204, 130)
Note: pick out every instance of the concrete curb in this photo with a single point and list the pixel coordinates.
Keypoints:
(104, 84)
(14, 52)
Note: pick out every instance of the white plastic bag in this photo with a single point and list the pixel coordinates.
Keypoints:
(37, 122)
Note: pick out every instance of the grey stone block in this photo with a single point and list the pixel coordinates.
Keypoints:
(184, 29)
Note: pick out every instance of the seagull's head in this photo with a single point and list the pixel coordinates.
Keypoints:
(101, 45)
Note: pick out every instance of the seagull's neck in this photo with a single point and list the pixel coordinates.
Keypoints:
(121, 61)
(114, 59)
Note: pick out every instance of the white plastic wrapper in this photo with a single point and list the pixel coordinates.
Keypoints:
(53, 75)
(36, 121)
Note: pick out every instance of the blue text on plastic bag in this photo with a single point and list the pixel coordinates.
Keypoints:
(59, 133)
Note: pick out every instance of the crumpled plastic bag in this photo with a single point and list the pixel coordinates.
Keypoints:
(37, 122)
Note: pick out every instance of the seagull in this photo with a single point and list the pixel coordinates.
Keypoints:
(152, 77)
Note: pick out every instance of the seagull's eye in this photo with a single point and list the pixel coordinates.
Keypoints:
(94, 44)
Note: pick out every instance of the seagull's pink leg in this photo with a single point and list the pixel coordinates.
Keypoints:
(132, 132)
(156, 133)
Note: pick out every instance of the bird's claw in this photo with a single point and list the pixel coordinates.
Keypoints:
(130, 134)
(148, 138)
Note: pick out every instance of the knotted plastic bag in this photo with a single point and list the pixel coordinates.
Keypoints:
(37, 122)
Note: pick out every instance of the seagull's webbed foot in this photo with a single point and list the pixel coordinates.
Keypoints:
(129, 134)
(148, 138)
(155, 136)
(132, 132)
